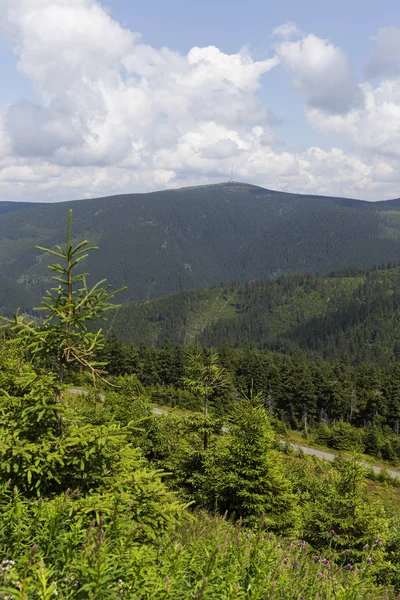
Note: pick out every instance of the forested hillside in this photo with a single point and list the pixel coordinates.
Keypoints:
(105, 495)
(168, 241)
(352, 315)
(14, 295)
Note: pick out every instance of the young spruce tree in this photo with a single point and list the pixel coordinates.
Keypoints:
(63, 339)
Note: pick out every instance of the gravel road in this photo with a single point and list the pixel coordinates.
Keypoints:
(305, 449)
(330, 456)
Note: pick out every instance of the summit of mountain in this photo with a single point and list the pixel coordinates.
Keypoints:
(161, 242)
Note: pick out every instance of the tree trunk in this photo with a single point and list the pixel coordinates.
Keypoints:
(205, 433)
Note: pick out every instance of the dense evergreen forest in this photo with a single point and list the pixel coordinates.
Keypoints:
(351, 315)
(165, 242)
(153, 473)
(340, 405)
(14, 295)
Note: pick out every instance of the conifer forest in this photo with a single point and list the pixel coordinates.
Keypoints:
(174, 471)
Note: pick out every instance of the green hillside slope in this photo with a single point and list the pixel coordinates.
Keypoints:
(353, 315)
(14, 295)
(164, 242)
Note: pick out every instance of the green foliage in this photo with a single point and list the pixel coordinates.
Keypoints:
(205, 378)
(208, 559)
(350, 316)
(246, 473)
(63, 337)
(343, 518)
(341, 436)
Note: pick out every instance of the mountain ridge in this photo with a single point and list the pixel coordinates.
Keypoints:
(161, 242)
(232, 184)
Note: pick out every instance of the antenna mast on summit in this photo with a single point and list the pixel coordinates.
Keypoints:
(232, 179)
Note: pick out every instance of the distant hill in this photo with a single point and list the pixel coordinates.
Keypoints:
(164, 242)
(353, 315)
(14, 295)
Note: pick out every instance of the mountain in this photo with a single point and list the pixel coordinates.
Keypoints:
(14, 295)
(163, 242)
(353, 316)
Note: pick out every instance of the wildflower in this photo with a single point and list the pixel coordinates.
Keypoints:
(366, 547)
(303, 545)
(297, 565)
(349, 566)
(370, 561)
(348, 551)
(319, 574)
(379, 541)
(6, 565)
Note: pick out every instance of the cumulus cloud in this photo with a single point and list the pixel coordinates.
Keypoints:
(374, 127)
(287, 31)
(108, 98)
(112, 114)
(384, 61)
(37, 130)
(322, 73)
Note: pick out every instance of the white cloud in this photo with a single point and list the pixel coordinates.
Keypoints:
(287, 30)
(384, 60)
(321, 72)
(374, 127)
(5, 144)
(108, 101)
(63, 43)
(116, 115)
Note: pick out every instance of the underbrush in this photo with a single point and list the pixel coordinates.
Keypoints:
(207, 558)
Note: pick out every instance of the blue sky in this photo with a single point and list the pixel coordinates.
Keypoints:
(296, 95)
(230, 24)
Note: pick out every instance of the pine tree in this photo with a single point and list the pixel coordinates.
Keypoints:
(63, 338)
(249, 474)
(205, 377)
(345, 517)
